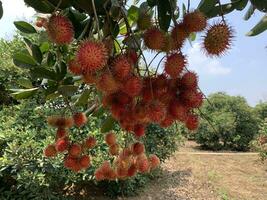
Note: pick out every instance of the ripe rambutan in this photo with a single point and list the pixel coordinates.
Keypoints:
(133, 86)
(154, 161)
(50, 151)
(168, 44)
(154, 39)
(144, 21)
(121, 67)
(178, 110)
(192, 98)
(143, 165)
(132, 170)
(175, 64)
(157, 111)
(60, 122)
(79, 119)
(90, 142)
(106, 83)
(84, 161)
(168, 121)
(62, 144)
(92, 56)
(179, 35)
(74, 67)
(132, 55)
(125, 153)
(90, 78)
(70, 162)
(195, 21)
(192, 122)
(60, 29)
(99, 176)
(61, 132)
(121, 172)
(189, 80)
(114, 149)
(75, 150)
(110, 139)
(218, 39)
(138, 148)
(139, 130)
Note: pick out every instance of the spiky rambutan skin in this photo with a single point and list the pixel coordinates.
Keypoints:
(60, 122)
(92, 56)
(143, 165)
(79, 119)
(62, 144)
(109, 44)
(132, 86)
(70, 162)
(139, 130)
(85, 161)
(106, 83)
(99, 176)
(195, 21)
(189, 80)
(61, 132)
(121, 67)
(154, 39)
(179, 35)
(121, 172)
(192, 122)
(175, 64)
(125, 153)
(74, 67)
(90, 142)
(168, 121)
(192, 98)
(178, 110)
(138, 148)
(117, 111)
(218, 39)
(144, 21)
(132, 55)
(110, 139)
(75, 150)
(50, 151)
(168, 44)
(114, 149)
(90, 78)
(154, 161)
(60, 29)
(157, 111)
(132, 170)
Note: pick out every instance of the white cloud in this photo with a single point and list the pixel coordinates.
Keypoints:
(203, 64)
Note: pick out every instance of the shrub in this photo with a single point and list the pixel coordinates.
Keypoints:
(234, 124)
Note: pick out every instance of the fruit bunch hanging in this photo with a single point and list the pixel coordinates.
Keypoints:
(134, 92)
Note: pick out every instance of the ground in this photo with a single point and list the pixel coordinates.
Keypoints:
(194, 174)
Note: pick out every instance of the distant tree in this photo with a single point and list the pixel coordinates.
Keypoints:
(261, 110)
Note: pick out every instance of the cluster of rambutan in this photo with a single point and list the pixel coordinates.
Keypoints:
(75, 158)
(128, 161)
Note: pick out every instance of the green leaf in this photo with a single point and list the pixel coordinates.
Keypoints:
(108, 124)
(25, 27)
(24, 82)
(41, 72)
(249, 12)
(1, 10)
(152, 3)
(240, 4)
(24, 93)
(44, 47)
(164, 15)
(218, 10)
(260, 4)
(51, 59)
(206, 5)
(133, 13)
(24, 60)
(34, 50)
(259, 28)
(40, 6)
(67, 90)
(83, 99)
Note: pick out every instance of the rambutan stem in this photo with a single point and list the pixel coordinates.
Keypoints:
(96, 18)
(222, 15)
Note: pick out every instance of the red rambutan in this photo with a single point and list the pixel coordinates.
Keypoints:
(192, 98)
(133, 86)
(114, 149)
(79, 119)
(121, 67)
(179, 35)
(154, 39)
(189, 80)
(154, 161)
(60, 29)
(70, 162)
(75, 150)
(175, 64)
(99, 176)
(138, 148)
(50, 151)
(157, 111)
(90, 142)
(74, 67)
(107, 83)
(192, 122)
(195, 21)
(132, 170)
(84, 161)
(139, 130)
(143, 165)
(61, 132)
(110, 139)
(178, 110)
(132, 55)
(62, 144)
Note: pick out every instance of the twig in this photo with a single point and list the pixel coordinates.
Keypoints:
(222, 15)
(96, 18)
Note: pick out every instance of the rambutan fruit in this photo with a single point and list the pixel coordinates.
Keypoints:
(154, 39)
(192, 122)
(154, 161)
(189, 80)
(50, 151)
(195, 21)
(60, 29)
(138, 148)
(218, 39)
(110, 139)
(132, 170)
(99, 176)
(121, 67)
(60, 122)
(106, 83)
(90, 142)
(75, 150)
(157, 111)
(179, 35)
(114, 149)
(144, 21)
(192, 98)
(109, 44)
(85, 161)
(167, 121)
(139, 130)
(132, 55)
(74, 67)
(62, 144)
(175, 64)
(133, 86)
(70, 162)
(125, 153)
(90, 78)
(178, 110)
(121, 172)
(79, 119)
(61, 132)
(147, 94)
(117, 111)
(92, 56)
(143, 165)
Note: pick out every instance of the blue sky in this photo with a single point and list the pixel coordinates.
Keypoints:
(242, 71)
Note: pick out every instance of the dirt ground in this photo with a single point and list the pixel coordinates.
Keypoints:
(193, 174)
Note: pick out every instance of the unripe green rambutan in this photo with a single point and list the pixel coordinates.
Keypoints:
(218, 39)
